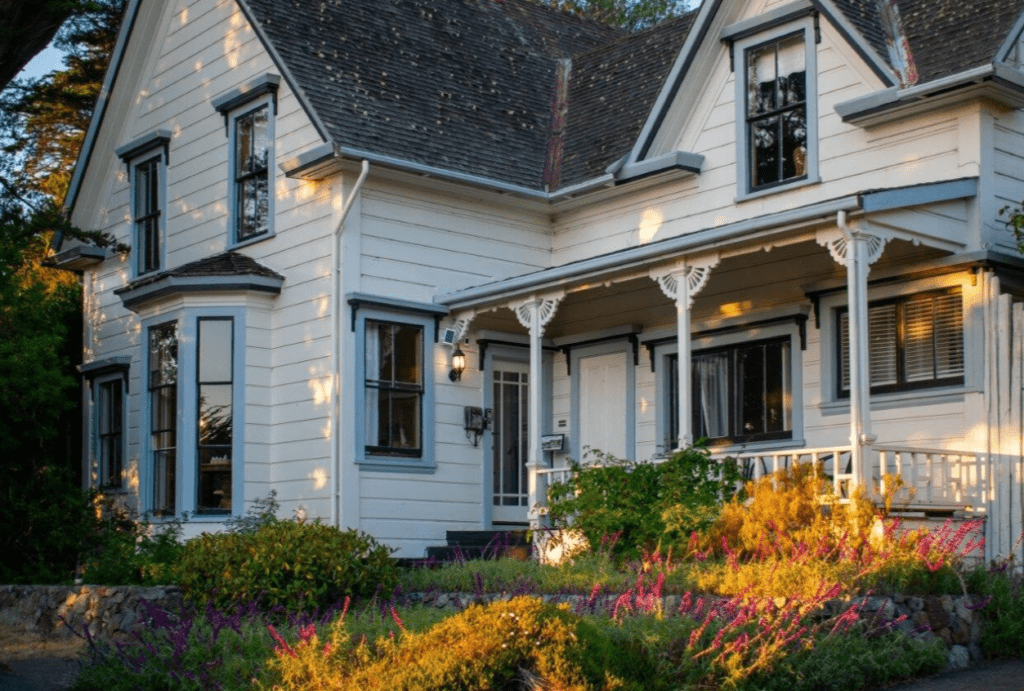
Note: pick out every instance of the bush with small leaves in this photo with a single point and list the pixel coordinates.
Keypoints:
(292, 564)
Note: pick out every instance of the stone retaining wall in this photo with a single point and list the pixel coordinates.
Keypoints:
(113, 611)
(108, 611)
(956, 620)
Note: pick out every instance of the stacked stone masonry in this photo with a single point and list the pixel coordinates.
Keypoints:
(107, 611)
(115, 611)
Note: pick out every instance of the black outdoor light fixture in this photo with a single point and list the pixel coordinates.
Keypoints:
(458, 364)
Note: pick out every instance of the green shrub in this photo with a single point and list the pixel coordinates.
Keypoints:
(46, 522)
(1003, 633)
(130, 551)
(642, 505)
(293, 564)
(523, 642)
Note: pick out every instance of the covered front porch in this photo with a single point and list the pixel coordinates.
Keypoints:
(791, 292)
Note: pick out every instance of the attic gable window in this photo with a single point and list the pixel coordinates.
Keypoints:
(251, 144)
(776, 77)
(775, 67)
(249, 112)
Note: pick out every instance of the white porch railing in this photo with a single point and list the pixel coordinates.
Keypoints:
(940, 478)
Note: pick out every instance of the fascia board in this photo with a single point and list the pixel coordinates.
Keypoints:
(133, 296)
(1011, 39)
(875, 61)
(99, 111)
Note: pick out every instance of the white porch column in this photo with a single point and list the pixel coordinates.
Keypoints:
(680, 282)
(534, 315)
(857, 250)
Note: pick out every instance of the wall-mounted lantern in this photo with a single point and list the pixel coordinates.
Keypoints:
(458, 364)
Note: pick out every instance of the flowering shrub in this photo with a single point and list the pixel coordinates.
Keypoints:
(292, 564)
(643, 505)
(481, 648)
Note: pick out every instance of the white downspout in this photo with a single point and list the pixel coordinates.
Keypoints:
(336, 291)
(860, 383)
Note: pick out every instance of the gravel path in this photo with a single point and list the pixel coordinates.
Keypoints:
(1006, 675)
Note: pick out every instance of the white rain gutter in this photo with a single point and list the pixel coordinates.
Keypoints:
(336, 292)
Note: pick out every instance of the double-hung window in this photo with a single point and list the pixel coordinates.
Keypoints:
(146, 161)
(251, 174)
(215, 414)
(394, 389)
(109, 401)
(163, 416)
(776, 113)
(147, 212)
(739, 393)
(776, 103)
(249, 112)
(914, 342)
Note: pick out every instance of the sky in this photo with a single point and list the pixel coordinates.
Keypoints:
(45, 62)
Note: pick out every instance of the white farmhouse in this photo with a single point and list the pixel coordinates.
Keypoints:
(398, 259)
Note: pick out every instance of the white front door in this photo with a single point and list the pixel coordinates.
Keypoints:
(602, 404)
(510, 442)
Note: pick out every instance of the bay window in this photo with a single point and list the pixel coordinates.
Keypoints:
(163, 416)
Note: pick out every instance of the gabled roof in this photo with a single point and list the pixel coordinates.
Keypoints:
(472, 87)
(464, 85)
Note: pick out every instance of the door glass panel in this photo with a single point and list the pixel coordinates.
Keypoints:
(510, 439)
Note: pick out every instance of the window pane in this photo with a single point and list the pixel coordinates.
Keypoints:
(751, 394)
(215, 414)
(761, 80)
(163, 355)
(405, 422)
(949, 336)
(215, 350)
(919, 345)
(243, 145)
(794, 144)
(764, 135)
(776, 387)
(882, 345)
(260, 139)
(792, 71)
(408, 354)
(711, 395)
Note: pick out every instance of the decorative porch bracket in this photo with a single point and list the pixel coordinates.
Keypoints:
(461, 327)
(680, 282)
(535, 314)
(856, 250)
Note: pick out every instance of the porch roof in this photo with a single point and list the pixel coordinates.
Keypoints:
(635, 258)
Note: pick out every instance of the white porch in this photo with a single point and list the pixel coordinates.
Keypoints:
(679, 289)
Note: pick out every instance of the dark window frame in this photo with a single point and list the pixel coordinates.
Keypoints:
(200, 447)
(735, 415)
(779, 113)
(901, 385)
(392, 385)
(110, 436)
(147, 221)
(157, 391)
(239, 178)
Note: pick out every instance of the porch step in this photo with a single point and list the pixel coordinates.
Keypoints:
(480, 544)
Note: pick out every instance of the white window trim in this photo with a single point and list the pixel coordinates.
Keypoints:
(832, 404)
(783, 329)
(268, 101)
(577, 354)
(739, 48)
(186, 455)
(95, 464)
(426, 462)
(157, 152)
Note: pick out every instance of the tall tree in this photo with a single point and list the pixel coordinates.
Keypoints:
(28, 26)
(42, 125)
(629, 14)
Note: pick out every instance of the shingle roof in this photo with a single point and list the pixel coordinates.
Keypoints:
(611, 92)
(224, 264)
(951, 36)
(464, 85)
(945, 37)
(470, 86)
